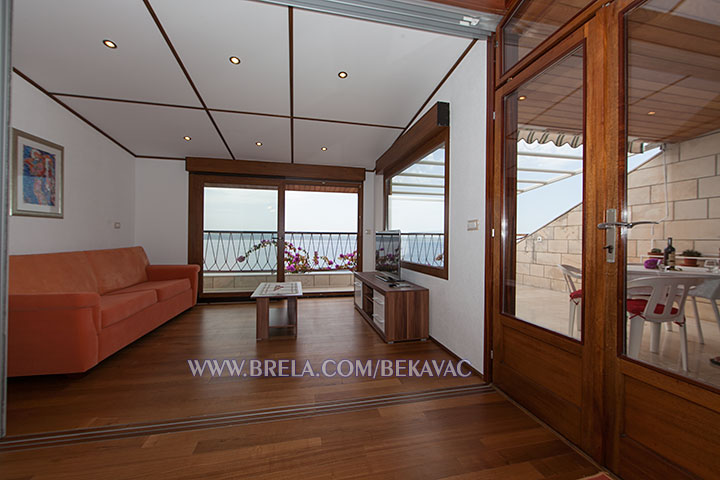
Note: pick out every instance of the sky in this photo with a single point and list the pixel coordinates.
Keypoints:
(542, 205)
(256, 210)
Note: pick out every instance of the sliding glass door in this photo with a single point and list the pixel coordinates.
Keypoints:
(240, 237)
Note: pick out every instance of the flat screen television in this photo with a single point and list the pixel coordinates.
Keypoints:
(387, 255)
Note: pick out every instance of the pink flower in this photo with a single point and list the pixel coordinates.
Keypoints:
(240, 258)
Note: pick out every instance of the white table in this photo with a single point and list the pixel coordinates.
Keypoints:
(709, 289)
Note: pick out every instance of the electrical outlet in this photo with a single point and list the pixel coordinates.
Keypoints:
(473, 224)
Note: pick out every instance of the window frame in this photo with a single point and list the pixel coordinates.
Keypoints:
(435, 142)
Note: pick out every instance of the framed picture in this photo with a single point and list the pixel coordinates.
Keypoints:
(37, 176)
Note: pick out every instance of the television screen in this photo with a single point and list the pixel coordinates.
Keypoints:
(387, 253)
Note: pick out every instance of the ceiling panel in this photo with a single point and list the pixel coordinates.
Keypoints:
(242, 131)
(391, 70)
(207, 34)
(347, 145)
(153, 130)
(59, 45)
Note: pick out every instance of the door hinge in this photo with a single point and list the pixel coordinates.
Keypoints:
(492, 233)
(492, 355)
(493, 115)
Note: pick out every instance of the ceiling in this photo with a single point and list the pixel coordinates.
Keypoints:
(170, 76)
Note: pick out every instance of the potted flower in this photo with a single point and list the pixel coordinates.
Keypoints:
(690, 262)
(655, 252)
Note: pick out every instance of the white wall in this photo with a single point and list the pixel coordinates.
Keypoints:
(457, 304)
(161, 209)
(98, 185)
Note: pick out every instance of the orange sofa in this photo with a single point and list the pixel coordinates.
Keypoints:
(69, 311)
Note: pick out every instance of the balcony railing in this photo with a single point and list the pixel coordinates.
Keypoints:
(423, 248)
(256, 251)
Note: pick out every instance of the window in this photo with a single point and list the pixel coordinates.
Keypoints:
(417, 206)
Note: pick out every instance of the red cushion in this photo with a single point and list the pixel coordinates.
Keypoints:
(636, 306)
(165, 289)
(114, 308)
(576, 294)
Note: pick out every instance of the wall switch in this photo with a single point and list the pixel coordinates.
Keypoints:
(473, 225)
(116, 225)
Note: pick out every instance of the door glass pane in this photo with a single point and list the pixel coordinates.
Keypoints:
(673, 116)
(321, 247)
(533, 22)
(239, 238)
(543, 189)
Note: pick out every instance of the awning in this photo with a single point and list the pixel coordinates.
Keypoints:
(530, 135)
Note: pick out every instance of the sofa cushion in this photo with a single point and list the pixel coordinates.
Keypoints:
(118, 268)
(115, 308)
(50, 273)
(165, 289)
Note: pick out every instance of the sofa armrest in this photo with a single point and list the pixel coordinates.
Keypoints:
(173, 272)
(52, 332)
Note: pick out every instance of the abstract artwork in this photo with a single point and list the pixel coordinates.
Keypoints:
(37, 176)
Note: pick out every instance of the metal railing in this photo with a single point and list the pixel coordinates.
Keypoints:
(423, 248)
(256, 251)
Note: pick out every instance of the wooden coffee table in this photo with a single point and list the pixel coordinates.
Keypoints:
(282, 322)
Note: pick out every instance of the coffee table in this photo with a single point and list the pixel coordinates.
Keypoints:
(281, 321)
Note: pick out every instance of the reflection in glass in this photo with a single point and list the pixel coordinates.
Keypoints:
(416, 207)
(531, 23)
(543, 183)
(673, 102)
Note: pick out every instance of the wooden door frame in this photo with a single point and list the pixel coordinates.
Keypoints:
(585, 427)
(679, 391)
(196, 216)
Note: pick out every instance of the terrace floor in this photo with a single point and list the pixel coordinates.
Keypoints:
(549, 309)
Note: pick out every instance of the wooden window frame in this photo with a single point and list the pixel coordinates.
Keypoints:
(435, 142)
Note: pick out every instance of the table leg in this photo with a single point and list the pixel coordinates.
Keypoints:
(292, 313)
(262, 317)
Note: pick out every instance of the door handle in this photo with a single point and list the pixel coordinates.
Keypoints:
(607, 225)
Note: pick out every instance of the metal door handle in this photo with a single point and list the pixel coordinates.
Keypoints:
(607, 225)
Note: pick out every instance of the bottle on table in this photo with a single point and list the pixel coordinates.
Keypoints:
(669, 255)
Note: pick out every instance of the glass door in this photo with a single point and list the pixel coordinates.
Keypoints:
(240, 238)
(543, 278)
(666, 389)
(322, 241)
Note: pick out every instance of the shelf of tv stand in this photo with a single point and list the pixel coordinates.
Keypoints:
(405, 309)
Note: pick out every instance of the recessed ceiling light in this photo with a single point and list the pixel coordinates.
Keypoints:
(324, 149)
(259, 144)
(187, 139)
(235, 60)
(342, 74)
(522, 97)
(109, 43)
(651, 113)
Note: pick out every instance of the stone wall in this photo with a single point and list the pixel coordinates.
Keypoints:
(558, 242)
(692, 218)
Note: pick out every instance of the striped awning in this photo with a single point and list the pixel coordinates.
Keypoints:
(530, 135)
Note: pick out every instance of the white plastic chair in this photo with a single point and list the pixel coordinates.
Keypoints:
(571, 273)
(709, 289)
(666, 303)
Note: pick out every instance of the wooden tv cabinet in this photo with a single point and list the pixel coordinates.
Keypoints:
(396, 313)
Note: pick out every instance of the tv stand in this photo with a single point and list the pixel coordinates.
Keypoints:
(396, 313)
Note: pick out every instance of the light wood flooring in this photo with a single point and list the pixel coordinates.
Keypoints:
(473, 437)
(150, 380)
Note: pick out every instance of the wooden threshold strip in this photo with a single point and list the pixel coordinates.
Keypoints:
(66, 437)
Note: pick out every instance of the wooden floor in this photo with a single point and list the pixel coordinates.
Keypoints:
(150, 380)
(478, 437)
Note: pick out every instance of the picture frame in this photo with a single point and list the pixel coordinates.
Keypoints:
(37, 176)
